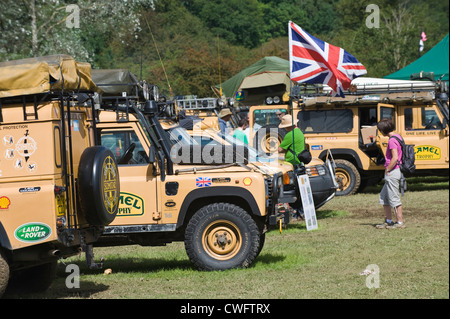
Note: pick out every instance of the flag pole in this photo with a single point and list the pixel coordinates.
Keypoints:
(291, 107)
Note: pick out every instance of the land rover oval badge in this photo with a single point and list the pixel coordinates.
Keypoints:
(32, 232)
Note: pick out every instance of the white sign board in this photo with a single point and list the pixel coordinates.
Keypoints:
(308, 202)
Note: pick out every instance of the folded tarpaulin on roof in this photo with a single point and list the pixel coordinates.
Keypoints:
(267, 71)
(115, 81)
(44, 74)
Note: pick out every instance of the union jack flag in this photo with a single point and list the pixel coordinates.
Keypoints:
(315, 61)
(203, 181)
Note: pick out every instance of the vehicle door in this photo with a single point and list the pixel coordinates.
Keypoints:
(138, 182)
(385, 111)
(423, 128)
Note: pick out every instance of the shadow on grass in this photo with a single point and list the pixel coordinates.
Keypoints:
(58, 289)
(138, 265)
(299, 224)
(268, 259)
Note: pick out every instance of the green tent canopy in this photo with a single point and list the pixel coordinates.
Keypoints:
(267, 71)
(435, 60)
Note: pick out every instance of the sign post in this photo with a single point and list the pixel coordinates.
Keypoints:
(308, 202)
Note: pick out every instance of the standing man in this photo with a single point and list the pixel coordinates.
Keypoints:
(294, 140)
(224, 117)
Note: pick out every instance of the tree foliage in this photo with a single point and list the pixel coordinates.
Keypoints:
(175, 42)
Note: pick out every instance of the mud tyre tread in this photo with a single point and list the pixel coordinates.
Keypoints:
(352, 172)
(222, 211)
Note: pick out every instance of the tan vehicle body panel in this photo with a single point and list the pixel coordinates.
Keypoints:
(431, 145)
(143, 197)
(30, 167)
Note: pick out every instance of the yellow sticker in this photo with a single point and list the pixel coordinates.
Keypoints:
(427, 152)
(130, 205)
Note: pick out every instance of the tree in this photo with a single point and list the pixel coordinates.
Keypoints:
(40, 27)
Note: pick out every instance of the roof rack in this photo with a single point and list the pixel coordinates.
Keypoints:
(120, 104)
(365, 85)
(197, 104)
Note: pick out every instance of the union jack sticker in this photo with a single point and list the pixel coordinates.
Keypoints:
(203, 181)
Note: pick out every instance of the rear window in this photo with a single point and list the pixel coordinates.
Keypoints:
(326, 121)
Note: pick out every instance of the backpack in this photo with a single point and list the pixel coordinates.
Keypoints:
(408, 165)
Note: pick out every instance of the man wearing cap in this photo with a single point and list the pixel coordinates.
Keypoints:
(224, 117)
(294, 140)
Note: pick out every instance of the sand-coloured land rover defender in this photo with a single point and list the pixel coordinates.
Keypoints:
(220, 206)
(347, 126)
(57, 188)
(321, 172)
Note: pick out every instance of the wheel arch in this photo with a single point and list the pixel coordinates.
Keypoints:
(204, 196)
(5, 244)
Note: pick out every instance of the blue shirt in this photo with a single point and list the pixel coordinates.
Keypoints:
(223, 126)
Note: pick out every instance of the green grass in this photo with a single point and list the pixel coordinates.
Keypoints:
(324, 263)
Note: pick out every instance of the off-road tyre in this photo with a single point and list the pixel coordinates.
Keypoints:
(4, 274)
(347, 176)
(98, 185)
(222, 236)
(262, 241)
(267, 143)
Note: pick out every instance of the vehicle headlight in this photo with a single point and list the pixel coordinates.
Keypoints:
(230, 101)
(220, 102)
(276, 99)
(269, 100)
(316, 171)
(286, 178)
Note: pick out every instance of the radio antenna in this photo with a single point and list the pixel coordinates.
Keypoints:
(159, 55)
(220, 76)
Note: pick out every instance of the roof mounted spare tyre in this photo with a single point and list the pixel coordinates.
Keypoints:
(98, 185)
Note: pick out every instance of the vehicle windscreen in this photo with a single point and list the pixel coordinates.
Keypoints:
(181, 135)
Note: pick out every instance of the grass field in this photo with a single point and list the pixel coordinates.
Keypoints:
(324, 263)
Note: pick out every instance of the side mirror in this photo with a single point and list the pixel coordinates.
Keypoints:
(152, 155)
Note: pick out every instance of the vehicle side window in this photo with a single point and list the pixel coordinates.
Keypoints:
(428, 119)
(387, 113)
(408, 119)
(119, 141)
(326, 121)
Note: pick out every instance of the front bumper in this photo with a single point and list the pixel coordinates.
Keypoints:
(323, 189)
(286, 197)
(280, 197)
(323, 185)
